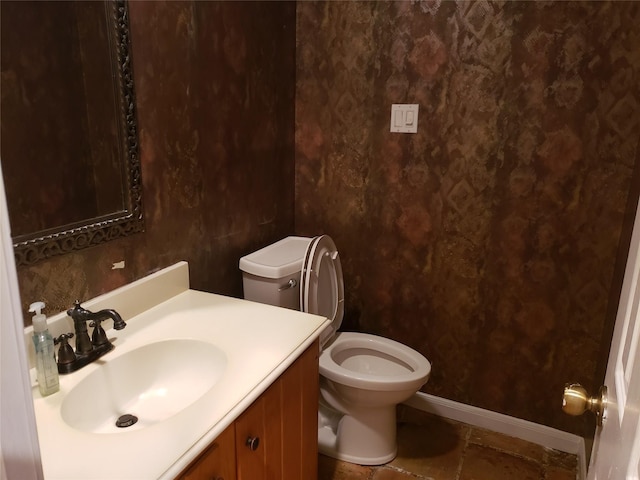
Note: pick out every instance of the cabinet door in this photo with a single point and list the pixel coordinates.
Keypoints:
(277, 436)
(218, 462)
(253, 447)
(299, 387)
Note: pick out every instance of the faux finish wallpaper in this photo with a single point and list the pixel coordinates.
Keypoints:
(487, 241)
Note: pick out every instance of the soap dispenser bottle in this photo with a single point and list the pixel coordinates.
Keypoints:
(46, 367)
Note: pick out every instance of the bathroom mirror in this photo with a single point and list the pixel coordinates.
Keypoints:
(69, 146)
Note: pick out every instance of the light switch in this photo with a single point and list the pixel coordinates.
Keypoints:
(409, 117)
(404, 118)
(398, 120)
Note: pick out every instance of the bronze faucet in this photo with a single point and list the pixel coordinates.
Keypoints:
(87, 349)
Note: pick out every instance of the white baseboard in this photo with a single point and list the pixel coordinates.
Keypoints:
(498, 422)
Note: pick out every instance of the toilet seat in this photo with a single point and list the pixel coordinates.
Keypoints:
(322, 285)
(370, 362)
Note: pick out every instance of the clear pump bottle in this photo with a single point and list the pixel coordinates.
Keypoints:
(46, 367)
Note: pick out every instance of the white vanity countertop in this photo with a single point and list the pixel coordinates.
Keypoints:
(259, 341)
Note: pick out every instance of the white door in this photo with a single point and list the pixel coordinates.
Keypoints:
(19, 449)
(616, 450)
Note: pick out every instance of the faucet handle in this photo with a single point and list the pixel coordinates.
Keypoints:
(65, 352)
(98, 336)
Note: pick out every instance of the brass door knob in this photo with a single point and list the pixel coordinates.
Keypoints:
(576, 401)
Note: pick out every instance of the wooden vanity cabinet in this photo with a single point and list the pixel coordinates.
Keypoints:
(276, 438)
(217, 462)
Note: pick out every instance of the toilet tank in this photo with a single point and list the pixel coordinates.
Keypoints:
(272, 274)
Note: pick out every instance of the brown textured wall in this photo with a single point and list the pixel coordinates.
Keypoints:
(215, 93)
(487, 240)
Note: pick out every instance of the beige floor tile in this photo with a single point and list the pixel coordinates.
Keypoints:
(432, 449)
(507, 444)
(332, 469)
(483, 463)
(386, 473)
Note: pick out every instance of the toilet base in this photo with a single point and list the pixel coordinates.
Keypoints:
(366, 437)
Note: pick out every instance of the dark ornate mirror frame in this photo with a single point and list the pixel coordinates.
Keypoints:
(33, 248)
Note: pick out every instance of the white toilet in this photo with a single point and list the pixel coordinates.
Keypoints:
(362, 377)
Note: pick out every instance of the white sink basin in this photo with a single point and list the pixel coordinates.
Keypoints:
(153, 383)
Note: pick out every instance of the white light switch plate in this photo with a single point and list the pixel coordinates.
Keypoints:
(404, 118)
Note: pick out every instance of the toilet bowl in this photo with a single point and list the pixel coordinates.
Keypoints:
(362, 377)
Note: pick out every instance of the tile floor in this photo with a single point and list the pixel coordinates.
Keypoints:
(431, 448)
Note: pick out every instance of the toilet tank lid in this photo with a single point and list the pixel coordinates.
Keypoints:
(278, 259)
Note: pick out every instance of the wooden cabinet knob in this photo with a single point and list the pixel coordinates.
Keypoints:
(252, 443)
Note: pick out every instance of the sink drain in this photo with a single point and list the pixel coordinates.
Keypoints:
(126, 420)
